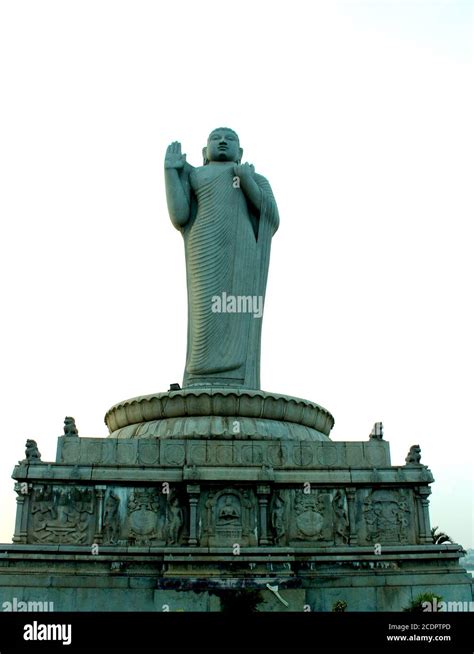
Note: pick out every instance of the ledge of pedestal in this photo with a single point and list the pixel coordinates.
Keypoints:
(219, 413)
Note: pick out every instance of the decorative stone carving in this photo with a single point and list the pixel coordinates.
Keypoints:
(145, 517)
(126, 453)
(386, 516)
(70, 428)
(61, 514)
(230, 517)
(328, 454)
(278, 519)
(32, 452)
(174, 521)
(229, 511)
(413, 458)
(309, 510)
(111, 523)
(340, 518)
(148, 451)
(174, 453)
(305, 516)
(215, 452)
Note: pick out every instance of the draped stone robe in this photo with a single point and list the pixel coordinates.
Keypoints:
(227, 247)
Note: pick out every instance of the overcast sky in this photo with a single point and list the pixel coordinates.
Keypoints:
(361, 117)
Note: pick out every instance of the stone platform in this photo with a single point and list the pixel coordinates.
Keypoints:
(155, 578)
(136, 521)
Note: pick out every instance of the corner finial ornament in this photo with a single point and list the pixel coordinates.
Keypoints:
(70, 428)
(377, 431)
(413, 458)
(32, 453)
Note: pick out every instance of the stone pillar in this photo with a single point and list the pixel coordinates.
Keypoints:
(422, 508)
(22, 504)
(351, 508)
(193, 491)
(99, 493)
(263, 491)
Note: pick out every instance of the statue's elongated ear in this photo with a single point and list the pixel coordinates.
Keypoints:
(205, 160)
(241, 152)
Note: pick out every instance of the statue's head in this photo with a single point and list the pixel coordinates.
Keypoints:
(222, 145)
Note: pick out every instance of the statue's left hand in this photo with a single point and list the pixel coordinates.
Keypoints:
(244, 171)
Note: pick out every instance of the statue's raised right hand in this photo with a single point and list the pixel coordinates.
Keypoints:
(174, 158)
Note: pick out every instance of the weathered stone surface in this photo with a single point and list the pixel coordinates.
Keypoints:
(198, 505)
(217, 452)
(214, 412)
(297, 523)
(313, 579)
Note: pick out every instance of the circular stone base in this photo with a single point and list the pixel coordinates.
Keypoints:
(219, 413)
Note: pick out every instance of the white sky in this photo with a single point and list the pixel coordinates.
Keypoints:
(361, 117)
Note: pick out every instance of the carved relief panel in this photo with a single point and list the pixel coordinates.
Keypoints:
(143, 517)
(61, 514)
(300, 516)
(145, 524)
(66, 514)
(229, 516)
(386, 516)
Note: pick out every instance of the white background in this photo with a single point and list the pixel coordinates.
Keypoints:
(361, 117)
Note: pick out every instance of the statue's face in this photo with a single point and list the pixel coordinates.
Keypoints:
(223, 145)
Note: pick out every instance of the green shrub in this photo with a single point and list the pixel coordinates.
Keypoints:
(416, 605)
(339, 607)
